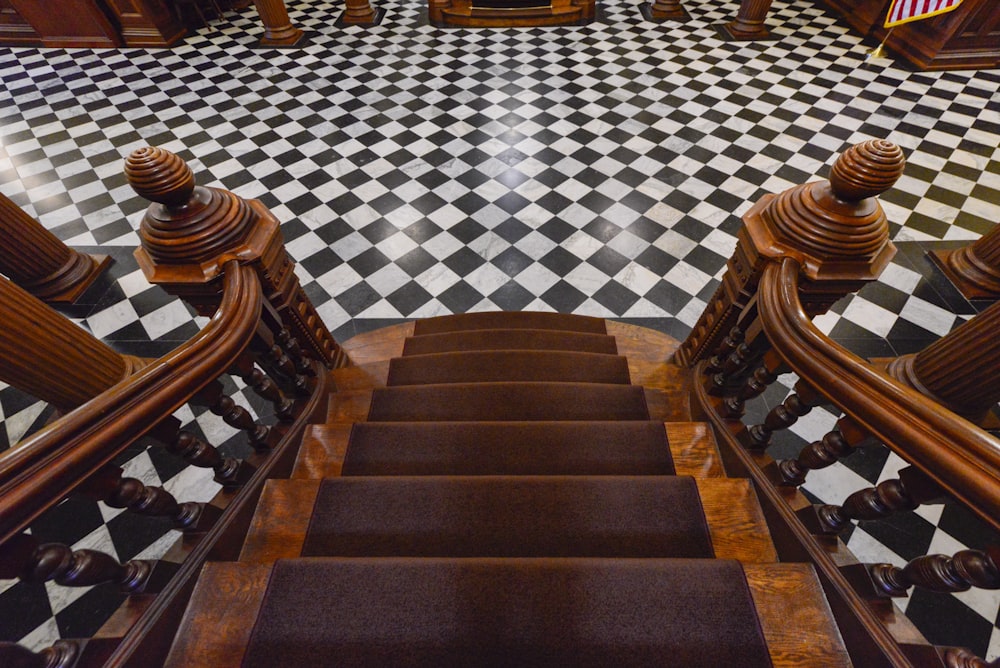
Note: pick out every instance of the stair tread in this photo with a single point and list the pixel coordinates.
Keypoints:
(509, 339)
(508, 365)
(211, 636)
(509, 320)
(507, 612)
(471, 448)
(508, 401)
(508, 516)
(735, 521)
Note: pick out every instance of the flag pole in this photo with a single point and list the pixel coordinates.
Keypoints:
(879, 51)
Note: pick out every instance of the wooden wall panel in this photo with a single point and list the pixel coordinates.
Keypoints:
(69, 23)
(146, 22)
(14, 29)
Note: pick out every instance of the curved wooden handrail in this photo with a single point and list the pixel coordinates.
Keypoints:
(48, 466)
(962, 458)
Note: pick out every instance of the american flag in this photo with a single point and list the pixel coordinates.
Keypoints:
(903, 11)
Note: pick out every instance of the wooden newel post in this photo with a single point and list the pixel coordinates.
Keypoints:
(974, 269)
(44, 354)
(39, 262)
(959, 370)
(189, 232)
(278, 28)
(835, 229)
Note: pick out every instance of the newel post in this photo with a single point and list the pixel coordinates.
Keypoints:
(190, 231)
(974, 269)
(959, 370)
(835, 229)
(39, 262)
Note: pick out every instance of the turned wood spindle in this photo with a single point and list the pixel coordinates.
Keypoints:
(62, 654)
(755, 385)
(284, 365)
(939, 573)
(229, 471)
(726, 348)
(118, 491)
(82, 568)
(265, 387)
(959, 370)
(39, 262)
(834, 445)
(238, 417)
(910, 491)
(784, 415)
(49, 357)
(960, 657)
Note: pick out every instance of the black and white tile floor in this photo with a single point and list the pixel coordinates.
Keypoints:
(599, 170)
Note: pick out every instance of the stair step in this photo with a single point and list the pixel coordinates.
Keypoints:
(735, 521)
(508, 365)
(508, 516)
(508, 401)
(324, 447)
(491, 612)
(509, 320)
(509, 339)
(508, 448)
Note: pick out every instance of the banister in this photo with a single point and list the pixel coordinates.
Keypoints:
(48, 466)
(962, 458)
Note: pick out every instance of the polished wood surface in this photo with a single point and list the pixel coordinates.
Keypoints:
(76, 23)
(695, 452)
(465, 13)
(279, 526)
(278, 28)
(735, 521)
(974, 269)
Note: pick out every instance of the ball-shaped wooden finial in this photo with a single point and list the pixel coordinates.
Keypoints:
(159, 176)
(866, 170)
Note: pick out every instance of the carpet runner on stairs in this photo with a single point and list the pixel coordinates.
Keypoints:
(506, 501)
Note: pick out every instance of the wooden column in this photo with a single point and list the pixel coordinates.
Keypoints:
(959, 370)
(835, 229)
(278, 28)
(663, 10)
(358, 12)
(974, 269)
(44, 354)
(39, 262)
(189, 232)
(749, 22)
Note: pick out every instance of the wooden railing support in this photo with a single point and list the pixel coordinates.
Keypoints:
(836, 229)
(959, 370)
(45, 355)
(39, 262)
(974, 269)
(190, 231)
(278, 28)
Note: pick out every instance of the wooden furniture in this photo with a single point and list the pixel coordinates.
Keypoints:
(88, 23)
(510, 13)
(966, 38)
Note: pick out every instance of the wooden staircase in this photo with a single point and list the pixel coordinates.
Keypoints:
(509, 489)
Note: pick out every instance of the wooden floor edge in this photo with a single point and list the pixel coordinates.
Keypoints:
(736, 521)
(694, 450)
(279, 525)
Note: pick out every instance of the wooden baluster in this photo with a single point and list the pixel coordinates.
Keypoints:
(190, 231)
(733, 406)
(229, 471)
(782, 416)
(959, 369)
(910, 491)
(266, 388)
(836, 229)
(39, 262)
(47, 356)
(261, 437)
(974, 269)
(117, 491)
(939, 573)
(960, 657)
(62, 654)
(302, 383)
(726, 348)
(278, 28)
(835, 445)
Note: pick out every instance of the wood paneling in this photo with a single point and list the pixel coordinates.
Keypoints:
(69, 23)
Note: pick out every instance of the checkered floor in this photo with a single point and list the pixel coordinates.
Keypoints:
(598, 170)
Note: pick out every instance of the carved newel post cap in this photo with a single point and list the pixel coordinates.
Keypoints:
(836, 228)
(159, 176)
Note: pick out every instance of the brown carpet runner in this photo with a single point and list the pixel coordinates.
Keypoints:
(510, 339)
(508, 448)
(508, 516)
(509, 320)
(508, 365)
(585, 613)
(508, 401)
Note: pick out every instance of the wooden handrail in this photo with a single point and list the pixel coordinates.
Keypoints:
(47, 467)
(962, 458)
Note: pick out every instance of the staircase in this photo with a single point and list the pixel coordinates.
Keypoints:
(516, 489)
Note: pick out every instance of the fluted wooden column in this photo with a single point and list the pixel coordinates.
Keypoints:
(974, 269)
(749, 22)
(190, 232)
(836, 230)
(44, 354)
(959, 370)
(359, 12)
(39, 262)
(278, 28)
(663, 10)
